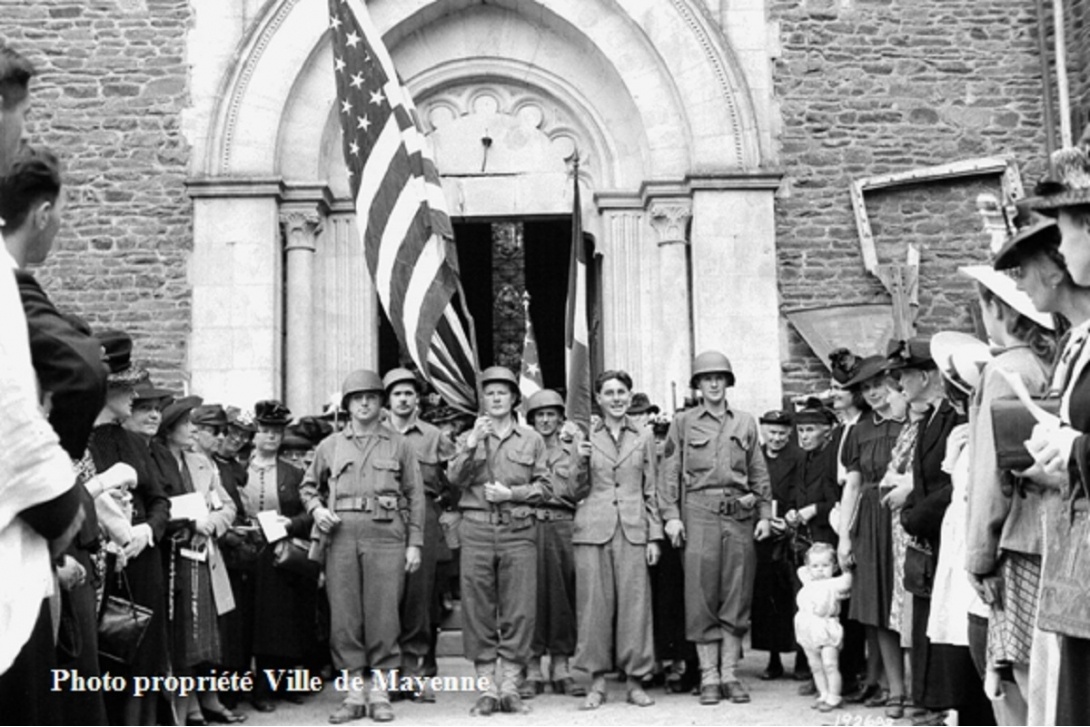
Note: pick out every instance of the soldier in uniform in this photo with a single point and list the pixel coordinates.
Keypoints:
(716, 498)
(555, 626)
(365, 492)
(420, 604)
(500, 466)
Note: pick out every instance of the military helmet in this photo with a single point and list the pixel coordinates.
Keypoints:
(711, 362)
(399, 376)
(501, 374)
(358, 381)
(543, 400)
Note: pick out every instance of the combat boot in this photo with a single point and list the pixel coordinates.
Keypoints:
(729, 649)
(489, 701)
(510, 674)
(708, 654)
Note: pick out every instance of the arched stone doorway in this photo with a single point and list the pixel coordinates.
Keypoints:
(676, 190)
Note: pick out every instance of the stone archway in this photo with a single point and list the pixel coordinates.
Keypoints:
(650, 93)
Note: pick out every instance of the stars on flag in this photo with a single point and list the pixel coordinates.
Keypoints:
(377, 97)
(346, 107)
(334, 22)
(357, 80)
(352, 40)
(362, 122)
(354, 149)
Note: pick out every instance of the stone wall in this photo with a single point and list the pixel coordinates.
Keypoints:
(111, 86)
(870, 87)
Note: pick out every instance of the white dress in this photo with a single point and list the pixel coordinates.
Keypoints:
(952, 594)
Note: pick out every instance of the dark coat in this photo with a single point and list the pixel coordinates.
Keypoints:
(68, 361)
(818, 486)
(931, 487)
(285, 604)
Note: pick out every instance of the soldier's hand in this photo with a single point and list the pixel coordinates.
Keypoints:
(653, 552)
(792, 518)
(482, 429)
(763, 529)
(675, 531)
(497, 492)
(412, 558)
(585, 449)
(325, 519)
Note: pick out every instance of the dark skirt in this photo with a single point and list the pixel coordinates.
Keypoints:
(1073, 700)
(285, 612)
(148, 583)
(668, 607)
(872, 547)
(773, 610)
(943, 675)
(195, 628)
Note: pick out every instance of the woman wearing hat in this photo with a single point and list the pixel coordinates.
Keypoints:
(110, 443)
(866, 534)
(199, 585)
(285, 602)
(1004, 537)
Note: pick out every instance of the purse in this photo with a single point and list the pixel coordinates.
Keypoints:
(919, 568)
(122, 625)
(1065, 574)
(293, 556)
(1012, 425)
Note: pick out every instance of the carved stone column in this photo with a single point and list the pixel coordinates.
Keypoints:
(301, 227)
(670, 220)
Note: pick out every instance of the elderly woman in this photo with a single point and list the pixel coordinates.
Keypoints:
(284, 600)
(617, 526)
(110, 443)
(866, 531)
(199, 587)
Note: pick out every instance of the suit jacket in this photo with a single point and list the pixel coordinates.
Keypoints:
(819, 487)
(931, 487)
(618, 488)
(68, 361)
(288, 480)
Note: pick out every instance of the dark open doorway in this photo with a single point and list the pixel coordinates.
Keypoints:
(499, 259)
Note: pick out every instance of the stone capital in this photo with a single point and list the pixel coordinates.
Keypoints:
(301, 227)
(670, 218)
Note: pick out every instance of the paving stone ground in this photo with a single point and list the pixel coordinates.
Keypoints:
(774, 703)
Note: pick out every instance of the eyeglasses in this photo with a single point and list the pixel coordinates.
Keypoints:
(215, 431)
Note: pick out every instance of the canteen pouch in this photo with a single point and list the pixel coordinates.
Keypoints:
(522, 517)
(1012, 425)
(385, 508)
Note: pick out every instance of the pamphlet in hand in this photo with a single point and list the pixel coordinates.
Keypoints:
(271, 526)
(190, 506)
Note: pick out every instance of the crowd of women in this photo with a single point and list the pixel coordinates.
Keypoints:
(956, 495)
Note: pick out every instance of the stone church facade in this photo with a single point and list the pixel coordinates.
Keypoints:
(209, 214)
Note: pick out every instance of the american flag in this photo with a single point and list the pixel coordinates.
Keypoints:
(530, 381)
(400, 208)
(577, 342)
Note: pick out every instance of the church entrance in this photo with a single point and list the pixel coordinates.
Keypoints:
(500, 260)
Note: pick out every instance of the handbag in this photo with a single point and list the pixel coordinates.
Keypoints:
(919, 568)
(292, 555)
(1012, 425)
(122, 624)
(1065, 574)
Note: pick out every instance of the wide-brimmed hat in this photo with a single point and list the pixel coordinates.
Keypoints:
(272, 412)
(776, 416)
(147, 391)
(868, 368)
(912, 353)
(844, 365)
(960, 358)
(176, 410)
(1068, 187)
(1004, 288)
(641, 404)
(117, 354)
(1031, 231)
(209, 415)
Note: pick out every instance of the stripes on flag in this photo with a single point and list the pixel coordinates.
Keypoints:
(530, 380)
(575, 335)
(400, 207)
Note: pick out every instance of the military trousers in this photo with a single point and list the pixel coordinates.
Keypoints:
(555, 625)
(613, 602)
(720, 565)
(420, 601)
(499, 589)
(365, 572)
